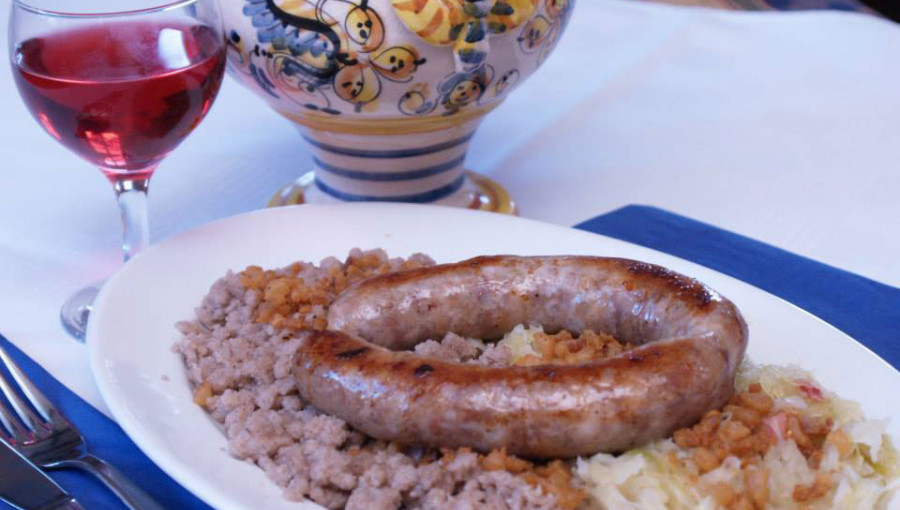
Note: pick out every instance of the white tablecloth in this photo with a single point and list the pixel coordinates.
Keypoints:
(781, 127)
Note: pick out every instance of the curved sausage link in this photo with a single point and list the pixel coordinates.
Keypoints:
(690, 343)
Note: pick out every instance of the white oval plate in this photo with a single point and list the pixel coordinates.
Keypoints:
(143, 382)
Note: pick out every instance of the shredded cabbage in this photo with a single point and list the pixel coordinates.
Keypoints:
(640, 479)
(520, 341)
(870, 434)
(866, 478)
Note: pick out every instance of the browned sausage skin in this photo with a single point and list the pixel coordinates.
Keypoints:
(691, 341)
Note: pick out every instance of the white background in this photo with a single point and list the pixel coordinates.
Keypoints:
(781, 127)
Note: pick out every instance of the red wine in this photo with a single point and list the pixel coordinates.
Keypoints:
(121, 95)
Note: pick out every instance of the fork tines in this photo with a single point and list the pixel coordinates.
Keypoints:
(20, 423)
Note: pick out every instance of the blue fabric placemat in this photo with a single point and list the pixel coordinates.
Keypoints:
(105, 440)
(866, 310)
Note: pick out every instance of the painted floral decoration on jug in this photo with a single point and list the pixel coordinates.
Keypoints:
(319, 53)
(306, 51)
(542, 32)
(464, 24)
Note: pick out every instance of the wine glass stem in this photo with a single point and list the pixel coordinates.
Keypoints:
(132, 197)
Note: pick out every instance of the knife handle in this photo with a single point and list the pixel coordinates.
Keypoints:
(128, 492)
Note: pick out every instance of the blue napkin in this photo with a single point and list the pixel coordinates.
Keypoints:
(865, 309)
(105, 440)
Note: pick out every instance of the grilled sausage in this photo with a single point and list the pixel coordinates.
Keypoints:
(690, 341)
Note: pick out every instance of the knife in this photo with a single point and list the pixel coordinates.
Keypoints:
(26, 487)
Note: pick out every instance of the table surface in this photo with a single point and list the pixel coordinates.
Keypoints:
(784, 127)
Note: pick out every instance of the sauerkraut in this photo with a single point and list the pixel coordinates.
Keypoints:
(851, 465)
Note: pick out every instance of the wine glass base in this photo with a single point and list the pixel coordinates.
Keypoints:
(76, 311)
(479, 192)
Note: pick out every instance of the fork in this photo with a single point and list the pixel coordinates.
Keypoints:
(50, 441)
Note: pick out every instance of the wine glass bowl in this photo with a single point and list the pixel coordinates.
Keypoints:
(122, 108)
(388, 93)
(121, 90)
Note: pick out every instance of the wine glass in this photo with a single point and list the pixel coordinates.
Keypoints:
(121, 90)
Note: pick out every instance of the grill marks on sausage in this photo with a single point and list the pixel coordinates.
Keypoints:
(644, 355)
(676, 283)
(423, 370)
(353, 353)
